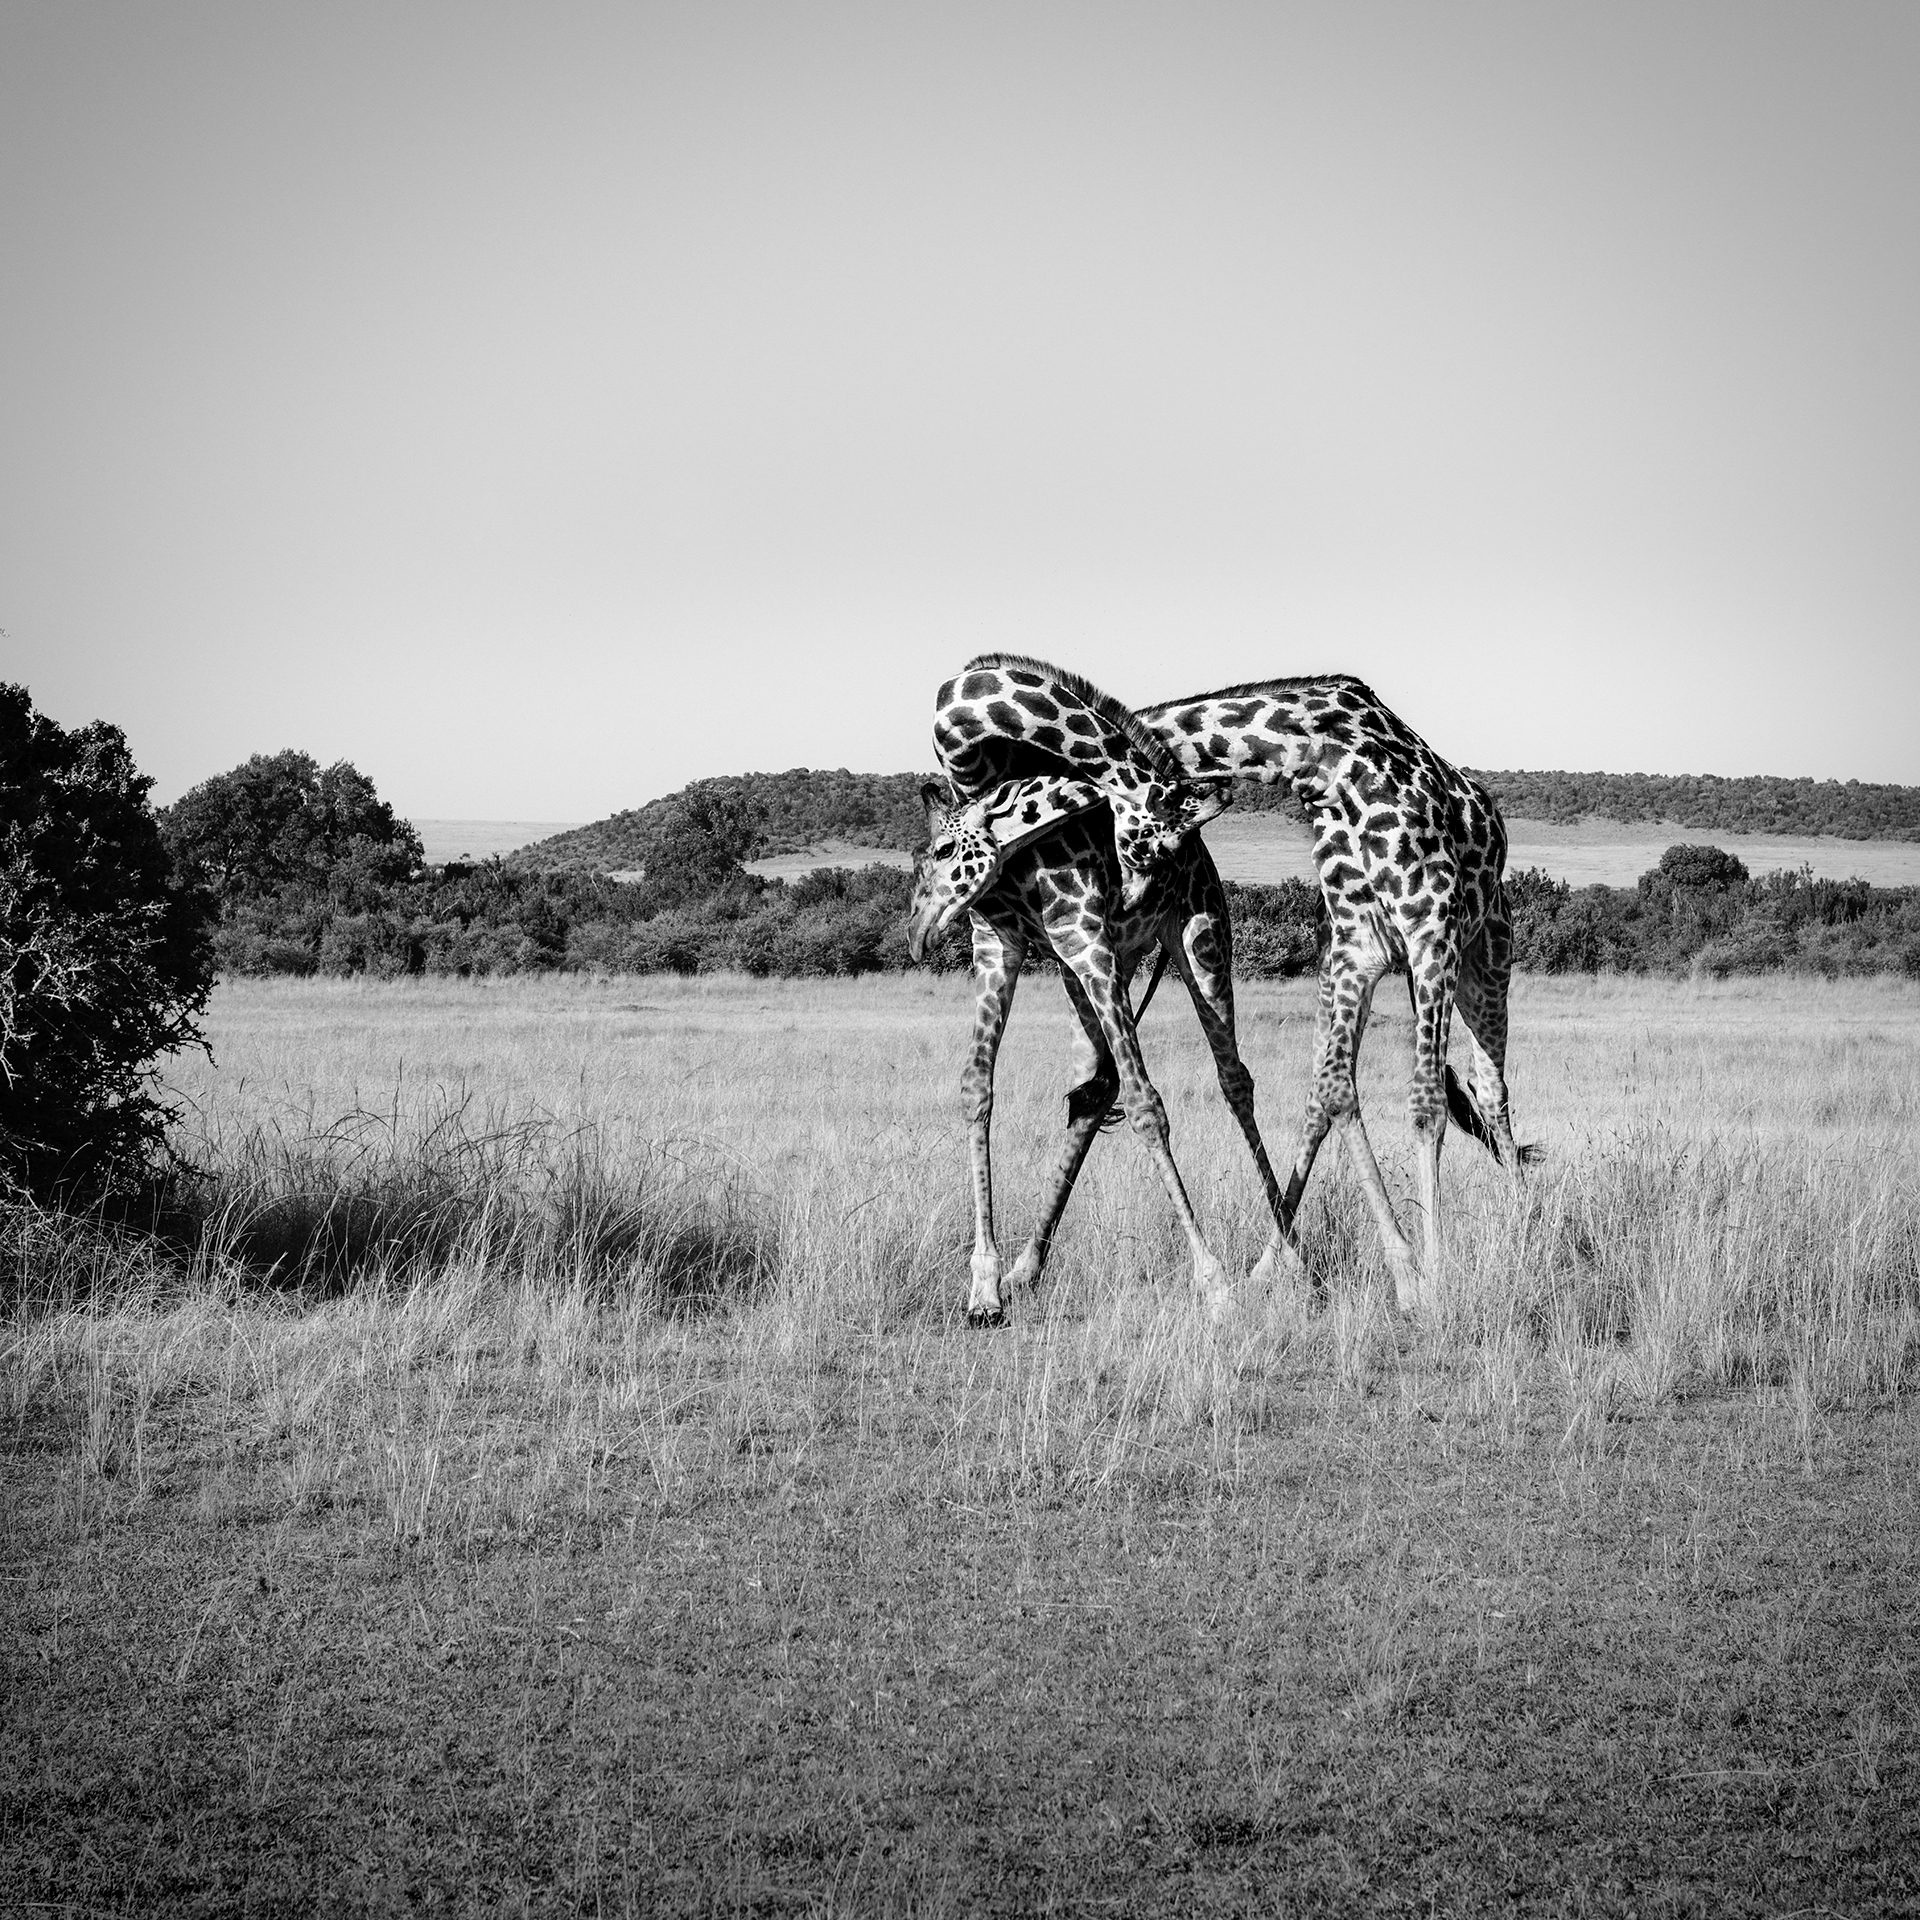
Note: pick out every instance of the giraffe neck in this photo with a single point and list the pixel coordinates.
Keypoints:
(1019, 811)
(1008, 716)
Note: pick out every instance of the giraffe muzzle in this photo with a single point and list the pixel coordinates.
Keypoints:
(927, 919)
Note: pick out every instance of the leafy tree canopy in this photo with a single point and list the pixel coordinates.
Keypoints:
(282, 820)
(698, 841)
(1691, 868)
(105, 958)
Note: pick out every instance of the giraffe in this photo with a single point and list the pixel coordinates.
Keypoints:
(1060, 883)
(1005, 715)
(1411, 854)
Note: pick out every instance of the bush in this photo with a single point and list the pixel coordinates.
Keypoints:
(381, 944)
(1278, 932)
(1752, 949)
(105, 960)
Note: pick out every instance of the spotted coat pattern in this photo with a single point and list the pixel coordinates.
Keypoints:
(1411, 854)
(1063, 891)
(1006, 717)
(969, 842)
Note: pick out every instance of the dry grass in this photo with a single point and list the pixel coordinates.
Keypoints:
(563, 1478)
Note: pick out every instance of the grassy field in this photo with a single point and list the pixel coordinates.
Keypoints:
(564, 1481)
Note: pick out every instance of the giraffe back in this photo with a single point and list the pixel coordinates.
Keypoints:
(1410, 849)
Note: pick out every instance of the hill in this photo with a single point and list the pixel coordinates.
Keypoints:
(802, 807)
(805, 806)
(1758, 803)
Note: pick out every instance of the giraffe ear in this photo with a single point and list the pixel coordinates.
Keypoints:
(936, 800)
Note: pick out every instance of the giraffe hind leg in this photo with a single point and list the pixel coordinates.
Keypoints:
(1096, 982)
(1464, 1108)
(1432, 977)
(1347, 981)
(1481, 1000)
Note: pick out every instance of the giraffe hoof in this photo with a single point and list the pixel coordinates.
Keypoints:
(982, 1318)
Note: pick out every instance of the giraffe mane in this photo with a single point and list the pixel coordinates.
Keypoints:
(1252, 689)
(1151, 747)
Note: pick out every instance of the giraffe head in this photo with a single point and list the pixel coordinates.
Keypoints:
(968, 843)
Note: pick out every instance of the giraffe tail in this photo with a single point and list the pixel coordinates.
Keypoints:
(1469, 1119)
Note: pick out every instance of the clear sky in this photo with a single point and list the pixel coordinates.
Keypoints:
(542, 406)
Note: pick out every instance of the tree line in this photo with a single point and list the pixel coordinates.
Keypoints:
(695, 908)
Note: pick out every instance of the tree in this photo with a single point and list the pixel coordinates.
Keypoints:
(283, 821)
(105, 957)
(1697, 892)
(701, 841)
(1691, 868)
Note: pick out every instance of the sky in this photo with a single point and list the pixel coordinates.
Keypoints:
(543, 406)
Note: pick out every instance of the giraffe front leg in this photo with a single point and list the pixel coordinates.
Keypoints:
(1095, 980)
(1088, 1104)
(1204, 956)
(997, 956)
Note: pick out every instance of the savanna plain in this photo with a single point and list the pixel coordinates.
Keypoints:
(562, 1479)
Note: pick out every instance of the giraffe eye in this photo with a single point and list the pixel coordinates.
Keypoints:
(943, 849)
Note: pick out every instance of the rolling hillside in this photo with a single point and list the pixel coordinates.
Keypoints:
(804, 807)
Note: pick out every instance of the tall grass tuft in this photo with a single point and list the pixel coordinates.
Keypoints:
(401, 1198)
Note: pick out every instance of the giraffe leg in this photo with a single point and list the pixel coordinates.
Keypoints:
(1485, 972)
(998, 951)
(1319, 1118)
(1431, 976)
(1088, 1104)
(1094, 970)
(1347, 981)
(1204, 955)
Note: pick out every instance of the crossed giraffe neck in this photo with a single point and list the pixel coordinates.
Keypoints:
(1007, 717)
(1410, 854)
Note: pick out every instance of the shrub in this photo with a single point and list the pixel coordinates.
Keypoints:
(105, 959)
(381, 944)
(1278, 932)
(1754, 948)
